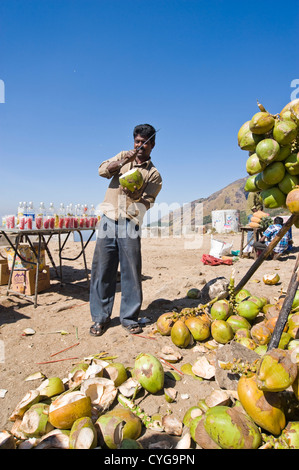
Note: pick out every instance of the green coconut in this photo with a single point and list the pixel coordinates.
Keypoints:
(190, 414)
(149, 372)
(117, 372)
(291, 163)
(221, 331)
(220, 310)
(180, 334)
(241, 295)
(260, 183)
(261, 123)
(193, 293)
(276, 371)
(83, 434)
(231, 429)
(295, 303)
(254, 165)
(267, 150)
(132, 180)
(284, 152)
(284, 132)
(35, 422)
(250, 185)
(273, 198)
(198, 327)
(273, 173)
(248, 309)
(51, 387)
(237, 322)
(288, 183)
(116, 425)
(260, 302)
(248, 141)
(243, 129)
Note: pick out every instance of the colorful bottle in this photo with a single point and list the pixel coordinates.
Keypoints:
(51, 216)
(40, 216)
(61, 214)
(30, 216)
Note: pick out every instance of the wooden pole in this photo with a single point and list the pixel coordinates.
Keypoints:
(284, 229)
(285, 309)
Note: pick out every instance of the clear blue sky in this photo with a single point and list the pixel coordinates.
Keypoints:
(80, 74)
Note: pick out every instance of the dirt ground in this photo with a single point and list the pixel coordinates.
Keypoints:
(171, 266)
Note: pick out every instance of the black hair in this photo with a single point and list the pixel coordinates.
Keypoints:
(278, 220)
(145, 130)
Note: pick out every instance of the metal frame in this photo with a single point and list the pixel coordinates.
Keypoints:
(21, 235)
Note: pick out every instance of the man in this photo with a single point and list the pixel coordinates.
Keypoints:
(269, 234)
(118, 240)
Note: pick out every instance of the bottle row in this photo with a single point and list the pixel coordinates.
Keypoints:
(27, 218)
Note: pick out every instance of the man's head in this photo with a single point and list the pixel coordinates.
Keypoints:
(141, 133)
(278, 220)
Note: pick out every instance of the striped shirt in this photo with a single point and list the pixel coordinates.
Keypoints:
(271, 232)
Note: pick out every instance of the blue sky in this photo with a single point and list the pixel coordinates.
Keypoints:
(80, 74)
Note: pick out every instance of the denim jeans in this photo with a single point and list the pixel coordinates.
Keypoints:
(117, 243)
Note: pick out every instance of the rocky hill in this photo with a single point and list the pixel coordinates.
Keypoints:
(230, 197)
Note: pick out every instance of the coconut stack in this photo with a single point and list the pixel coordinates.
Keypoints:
(273, 163)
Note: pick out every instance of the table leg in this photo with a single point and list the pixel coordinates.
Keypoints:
(242, 242)
(13, 264)
(84, 257)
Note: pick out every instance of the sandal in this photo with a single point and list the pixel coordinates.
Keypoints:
(133, 329)
(98, 329)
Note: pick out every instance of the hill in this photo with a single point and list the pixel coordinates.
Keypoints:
(230, 197)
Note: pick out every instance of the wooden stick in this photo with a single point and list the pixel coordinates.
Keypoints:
(54, 354)
(284, 229)
(285, 309)
(58, 360)
(170, 365)
(146, 337)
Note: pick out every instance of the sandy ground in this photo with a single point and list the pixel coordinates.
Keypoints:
(171, 266)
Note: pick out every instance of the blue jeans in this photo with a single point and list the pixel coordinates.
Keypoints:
(117, 243)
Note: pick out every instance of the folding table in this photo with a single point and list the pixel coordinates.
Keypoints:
(15, 236)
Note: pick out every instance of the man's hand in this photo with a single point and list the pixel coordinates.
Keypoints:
(135, 195)
(130, 155)
(117, 165)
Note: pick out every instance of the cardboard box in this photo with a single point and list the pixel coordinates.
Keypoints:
(26, 253)
(23, 281)
(4, 272)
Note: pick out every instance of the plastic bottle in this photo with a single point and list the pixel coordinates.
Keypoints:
(92, 216)
(22, 218)
(40, 216)
(83, 214)
(20, 212)
(61, 214)
(51, 216)
(30, 216)
(67, 218)
(76, 215)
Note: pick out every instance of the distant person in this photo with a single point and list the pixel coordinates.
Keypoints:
(269, 234)
(254, 203)
(118, 240)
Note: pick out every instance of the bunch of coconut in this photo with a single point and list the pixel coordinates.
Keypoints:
(250, 321)
(263, 413)
(273, 162)
(80, 411)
